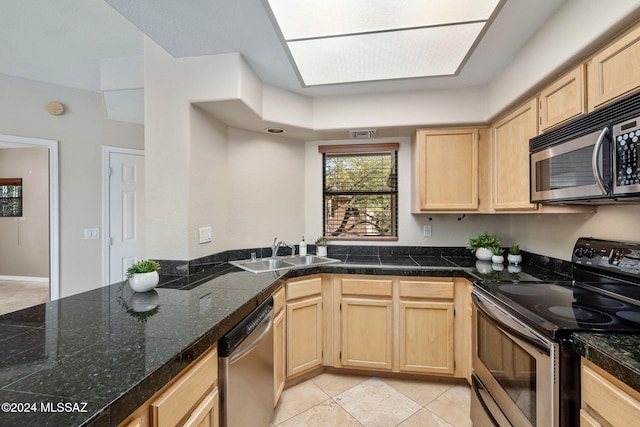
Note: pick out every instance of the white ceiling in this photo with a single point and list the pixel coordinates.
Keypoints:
(63, 42)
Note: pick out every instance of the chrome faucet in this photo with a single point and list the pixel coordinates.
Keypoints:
(293, 250)
(274, 248)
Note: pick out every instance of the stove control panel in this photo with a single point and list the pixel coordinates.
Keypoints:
(608, 256)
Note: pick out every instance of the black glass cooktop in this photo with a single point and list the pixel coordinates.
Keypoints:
(557, 309)
(603, 295)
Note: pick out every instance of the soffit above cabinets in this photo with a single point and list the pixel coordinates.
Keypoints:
(347, 41)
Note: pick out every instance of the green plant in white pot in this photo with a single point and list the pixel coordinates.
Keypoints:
(514, 257)
(483, 245)
(321, 246)
(497, 257)
(143, 276)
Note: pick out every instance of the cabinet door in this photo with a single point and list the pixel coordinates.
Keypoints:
(279, 355)
(608, 399)
(614, 71)
(447, 169)
(426, 337)
(188, 392)
(562, 100)
(511, 158)
(207, 414)
(367, 333)
(304, 335)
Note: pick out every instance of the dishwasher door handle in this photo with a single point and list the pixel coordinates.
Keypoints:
(252, 340)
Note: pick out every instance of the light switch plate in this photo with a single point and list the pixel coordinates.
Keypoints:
(427, 230)
(91, 233)
(204, 234)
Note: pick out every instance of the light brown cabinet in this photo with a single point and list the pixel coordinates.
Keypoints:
(193, 398)
(562, 100)
(426, 326)
(366, 323)
(607, 401)
(279, 343)
(190, 399)
(510, 158)
(446, 170)
(304, 324)
(402, 324)
(614, 71)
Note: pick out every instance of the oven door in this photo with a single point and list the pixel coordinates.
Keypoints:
(576, 169)
(516, 368)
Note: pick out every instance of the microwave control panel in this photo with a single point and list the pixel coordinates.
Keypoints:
(626, 139)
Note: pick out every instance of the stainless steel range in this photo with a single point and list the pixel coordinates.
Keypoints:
(525, 372)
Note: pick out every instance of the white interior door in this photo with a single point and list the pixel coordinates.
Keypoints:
(125, 212)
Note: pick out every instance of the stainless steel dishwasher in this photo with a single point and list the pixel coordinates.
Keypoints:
(246, 370)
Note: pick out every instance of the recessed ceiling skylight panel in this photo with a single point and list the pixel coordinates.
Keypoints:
(341, 41)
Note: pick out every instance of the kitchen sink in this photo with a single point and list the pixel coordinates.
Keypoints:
(308, 260)
(282, 263)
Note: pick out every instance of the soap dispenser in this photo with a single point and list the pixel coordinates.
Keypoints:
(303, 247)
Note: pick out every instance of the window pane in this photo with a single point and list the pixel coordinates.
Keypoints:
(360, 195)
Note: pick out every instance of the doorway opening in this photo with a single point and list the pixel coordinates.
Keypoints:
(11, 141)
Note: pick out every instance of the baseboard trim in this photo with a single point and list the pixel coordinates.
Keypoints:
(25, 278)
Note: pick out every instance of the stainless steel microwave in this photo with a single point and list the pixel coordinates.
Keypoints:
(591, 160)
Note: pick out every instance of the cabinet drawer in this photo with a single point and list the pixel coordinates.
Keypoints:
(279, 301)
(383, 288)
(304, 288)
(441, 289)
(601, 396)
(178, 400)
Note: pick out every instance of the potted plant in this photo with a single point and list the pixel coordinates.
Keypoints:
(514, 256)
(497, 257)
(142, 276)
(482, 246)
(321, 246)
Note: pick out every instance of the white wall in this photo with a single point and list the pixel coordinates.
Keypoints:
(554, 235)
(266, 189)
(81, 131)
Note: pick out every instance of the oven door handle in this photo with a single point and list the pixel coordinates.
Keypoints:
(507, 322)
(594, 161)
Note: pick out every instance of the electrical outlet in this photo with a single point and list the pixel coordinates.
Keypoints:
(204, 234)
(427, 230)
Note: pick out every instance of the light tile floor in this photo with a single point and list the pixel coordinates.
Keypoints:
(346, 400)
(16, 295)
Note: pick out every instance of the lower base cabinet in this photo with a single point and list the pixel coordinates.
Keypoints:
(304, 324)
(607, 401)
(401, 324)
(190, 399)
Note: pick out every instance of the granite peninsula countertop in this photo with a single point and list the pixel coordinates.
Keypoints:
(92, 359)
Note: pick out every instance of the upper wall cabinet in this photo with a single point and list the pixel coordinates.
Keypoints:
(510, 158)
(562, 100)
(446, 170)
(614, 71)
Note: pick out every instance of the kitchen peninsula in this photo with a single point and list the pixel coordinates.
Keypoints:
(93, 353)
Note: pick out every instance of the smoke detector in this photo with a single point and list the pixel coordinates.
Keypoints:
(363, 133)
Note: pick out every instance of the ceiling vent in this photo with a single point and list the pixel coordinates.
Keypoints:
(362, 134)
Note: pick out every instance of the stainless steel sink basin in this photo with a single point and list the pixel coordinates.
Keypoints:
(307, 260)
(282, 263)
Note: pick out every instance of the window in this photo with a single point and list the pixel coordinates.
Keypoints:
(360, 191)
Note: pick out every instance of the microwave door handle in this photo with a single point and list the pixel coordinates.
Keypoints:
(594, 160)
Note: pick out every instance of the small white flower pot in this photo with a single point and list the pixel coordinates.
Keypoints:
(497, 259)
(144, 282)
(321, 250)
(484, 254)
(514, 259)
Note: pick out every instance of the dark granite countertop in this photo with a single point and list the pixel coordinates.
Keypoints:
(92, 359)
(618, 354)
